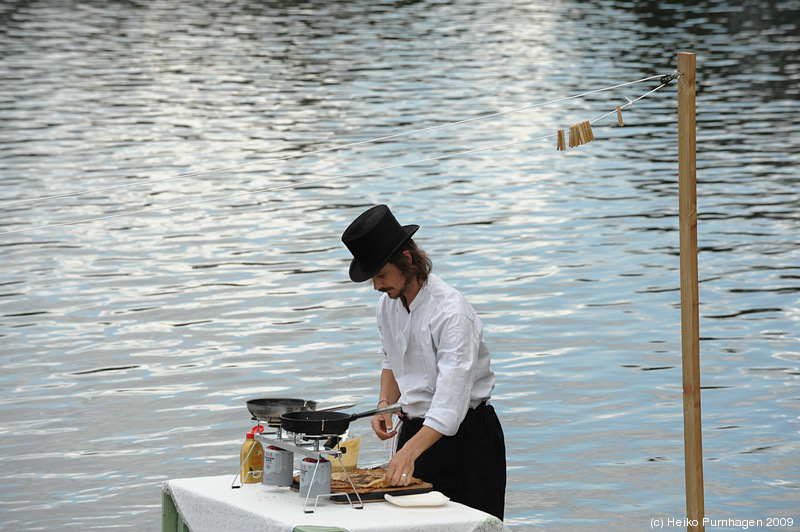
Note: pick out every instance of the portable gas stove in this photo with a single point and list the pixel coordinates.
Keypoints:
(315, 468)
(280, 448)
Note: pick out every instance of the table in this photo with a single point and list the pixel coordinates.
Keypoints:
(209, 504)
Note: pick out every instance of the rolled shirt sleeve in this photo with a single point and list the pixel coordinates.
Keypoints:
(457, 356)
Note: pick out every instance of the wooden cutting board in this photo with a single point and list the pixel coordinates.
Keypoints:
(362, 478)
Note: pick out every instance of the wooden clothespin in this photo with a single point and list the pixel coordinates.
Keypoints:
(589, 134)
(580, 134)
(619, 116)
(560, 144)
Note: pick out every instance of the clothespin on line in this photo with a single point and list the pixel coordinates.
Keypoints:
(586, 132)
(578, 134)
(619, 116)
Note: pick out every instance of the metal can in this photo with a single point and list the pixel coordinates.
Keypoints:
(315, 477)
(277, 466)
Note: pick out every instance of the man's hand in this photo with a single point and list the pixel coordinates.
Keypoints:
(382, 425)
(401, 466)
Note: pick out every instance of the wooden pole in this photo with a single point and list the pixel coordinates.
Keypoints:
(690, 307)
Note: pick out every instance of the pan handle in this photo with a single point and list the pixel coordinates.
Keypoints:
(382, 410)
(335, 408)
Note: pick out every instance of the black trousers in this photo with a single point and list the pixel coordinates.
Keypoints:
(470, 466)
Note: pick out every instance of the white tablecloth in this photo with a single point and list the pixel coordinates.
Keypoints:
(209, 504)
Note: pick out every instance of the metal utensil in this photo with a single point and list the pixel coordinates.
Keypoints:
(326, 423)
(271, 409)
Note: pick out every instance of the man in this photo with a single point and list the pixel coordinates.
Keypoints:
(435, 362)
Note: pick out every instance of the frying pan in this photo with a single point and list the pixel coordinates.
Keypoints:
(270, 409)
(320, 423)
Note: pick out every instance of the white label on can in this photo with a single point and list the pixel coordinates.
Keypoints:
(315, 478)
(278, 467)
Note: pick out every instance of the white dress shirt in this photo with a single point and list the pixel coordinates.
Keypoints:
(437, 354)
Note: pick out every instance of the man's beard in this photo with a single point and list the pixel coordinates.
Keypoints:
(402, 290)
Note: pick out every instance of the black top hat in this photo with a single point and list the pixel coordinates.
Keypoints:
(373, 238)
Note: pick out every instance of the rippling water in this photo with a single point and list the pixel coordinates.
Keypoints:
(130, 344)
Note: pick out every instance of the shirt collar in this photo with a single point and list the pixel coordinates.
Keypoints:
(423, 294)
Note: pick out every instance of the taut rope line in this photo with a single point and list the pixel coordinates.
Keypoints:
(664, 81)
(323, 150)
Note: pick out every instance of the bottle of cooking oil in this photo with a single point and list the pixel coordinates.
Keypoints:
(251, 458)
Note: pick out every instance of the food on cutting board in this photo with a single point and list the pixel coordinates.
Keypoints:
(368, 480)
(378, 483)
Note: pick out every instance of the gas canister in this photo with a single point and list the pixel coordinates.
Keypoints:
(277, 466)
(315, 477)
